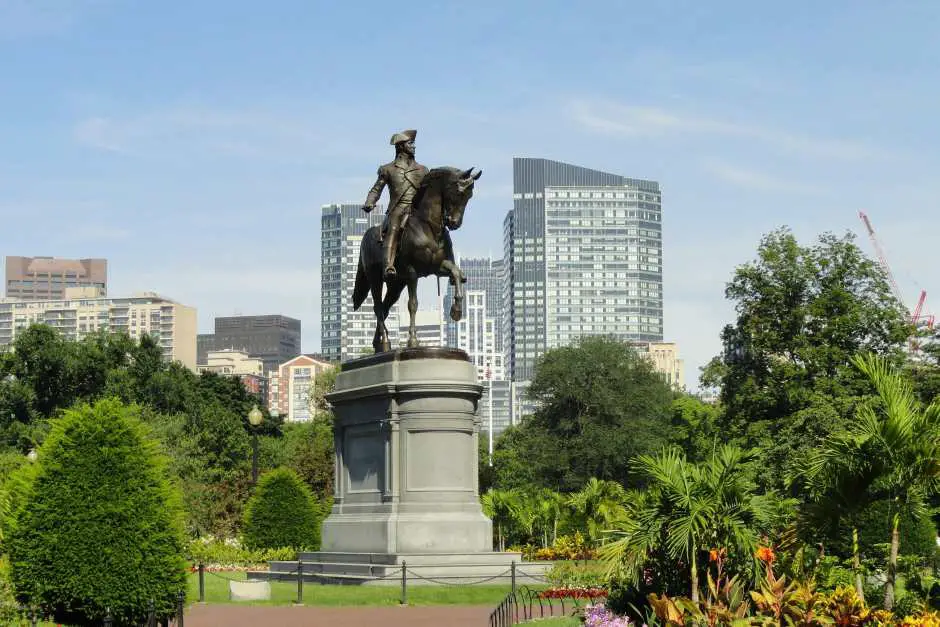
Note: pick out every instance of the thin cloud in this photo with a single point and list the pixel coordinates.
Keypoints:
(231, 133)
(636, 121)
(101, 232)
(35, 18)
(751, 179)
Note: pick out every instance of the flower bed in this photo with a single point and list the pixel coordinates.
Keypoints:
(599, 616)
(573, 593)
(222, 568)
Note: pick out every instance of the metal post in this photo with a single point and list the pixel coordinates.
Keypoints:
(202, 582)
(108, 621)
(33, 619)
(180, 607)
(254, 457)
(300, 581)
(151, 614)
(512, 574)
(404, 584)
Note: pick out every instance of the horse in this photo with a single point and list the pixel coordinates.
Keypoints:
(424, 250)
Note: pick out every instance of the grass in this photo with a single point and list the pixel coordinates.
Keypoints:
(558, 621)
(285, 593)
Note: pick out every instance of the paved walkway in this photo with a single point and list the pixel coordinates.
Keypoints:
(260, 616)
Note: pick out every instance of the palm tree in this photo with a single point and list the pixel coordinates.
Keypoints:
(501, 507)
(904, 439)
(838, 478)
(596, 507)
(689, 508)
(548, 508)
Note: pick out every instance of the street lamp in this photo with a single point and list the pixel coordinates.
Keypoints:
(255, 418)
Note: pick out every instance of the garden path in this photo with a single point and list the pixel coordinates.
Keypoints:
(312, 616)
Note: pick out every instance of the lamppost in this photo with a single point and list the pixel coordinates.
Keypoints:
(255, 418)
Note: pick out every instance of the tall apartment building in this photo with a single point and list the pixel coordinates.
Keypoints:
(476, 334)
(291, 386)
(583, 255)
(85, 310)
(486, 275)
(344, 333)
(271, 338)
(46, 278)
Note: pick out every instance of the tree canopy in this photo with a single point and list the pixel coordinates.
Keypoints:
(599, 404)
(785, 376)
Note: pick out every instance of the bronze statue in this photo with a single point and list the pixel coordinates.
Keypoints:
(403, 177)
(422, 212)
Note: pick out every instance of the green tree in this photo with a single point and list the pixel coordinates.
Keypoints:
(501, 506)
(837, 480)
(690, 508)
(596, 508)
(694, 427)
(282, 513)
(323, 383)
(599, 403)
(902, 437)
(308, 451)
(785, 376)
(100, 525)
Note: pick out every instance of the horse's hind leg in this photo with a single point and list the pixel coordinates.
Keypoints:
(412, 310)
(380, 339)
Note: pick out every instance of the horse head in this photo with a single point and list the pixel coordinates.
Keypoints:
(458, 194)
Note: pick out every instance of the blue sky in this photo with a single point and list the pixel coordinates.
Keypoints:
(193, 143)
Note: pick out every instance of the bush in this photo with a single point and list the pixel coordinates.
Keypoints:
(577, 575)
(99, 525)
(218, 554)
(282, 513)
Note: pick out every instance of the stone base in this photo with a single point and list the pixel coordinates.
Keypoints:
(402, 533)
(422, 569)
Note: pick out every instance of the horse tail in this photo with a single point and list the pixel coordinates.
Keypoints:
(361, 290)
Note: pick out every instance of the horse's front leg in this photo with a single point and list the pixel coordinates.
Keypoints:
(457, 279)
(412, 310)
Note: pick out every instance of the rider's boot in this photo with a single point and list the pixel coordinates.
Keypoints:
(391, 249)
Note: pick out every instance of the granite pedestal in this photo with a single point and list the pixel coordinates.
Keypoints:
(406, 486)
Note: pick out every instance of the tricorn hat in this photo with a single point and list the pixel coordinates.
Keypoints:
(404, 136)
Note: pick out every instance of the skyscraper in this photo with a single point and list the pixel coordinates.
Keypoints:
(344, 333)
(483, 274)
(583, 255)
(45, 278)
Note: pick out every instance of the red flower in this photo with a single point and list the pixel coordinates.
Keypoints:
(765, 554)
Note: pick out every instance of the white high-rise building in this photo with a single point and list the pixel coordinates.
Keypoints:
(346, 334)
(85, 310)
(583, 256)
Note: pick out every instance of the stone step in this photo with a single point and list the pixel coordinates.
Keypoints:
(413, 559)
(337, 573)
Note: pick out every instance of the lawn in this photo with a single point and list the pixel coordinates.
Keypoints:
(285, 593)
(558, 621)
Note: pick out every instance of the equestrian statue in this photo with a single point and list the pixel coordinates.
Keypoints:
(414, 240)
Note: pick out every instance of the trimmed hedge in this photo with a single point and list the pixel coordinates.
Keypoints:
(282, 513)
(97, 524)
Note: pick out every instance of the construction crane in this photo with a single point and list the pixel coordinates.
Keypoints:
(917, 318)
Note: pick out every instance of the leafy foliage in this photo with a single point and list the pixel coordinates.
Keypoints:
(282, 513)
(100, 525)
(600, 403)
(785, 378)
(688, 509)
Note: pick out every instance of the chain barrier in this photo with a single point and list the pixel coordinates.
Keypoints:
(538, 578)
(461, 583)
